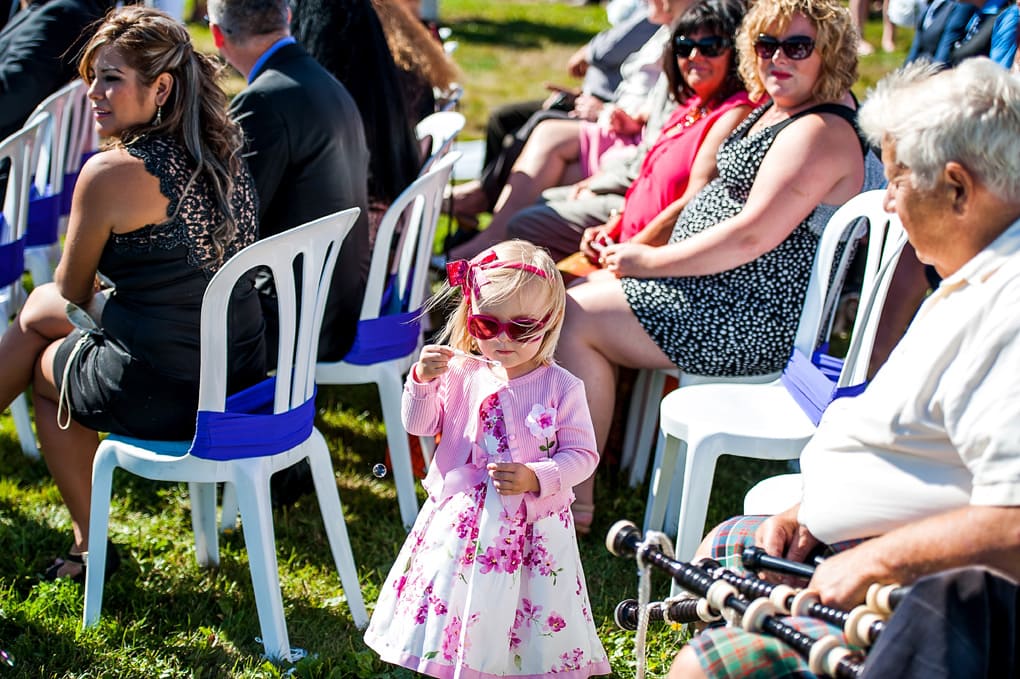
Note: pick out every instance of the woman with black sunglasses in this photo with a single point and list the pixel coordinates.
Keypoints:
(724, 296)
(700, 68)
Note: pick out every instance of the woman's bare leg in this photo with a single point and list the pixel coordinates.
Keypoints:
(68, 452)
(600, 332)
(40, 322)
(550, 158)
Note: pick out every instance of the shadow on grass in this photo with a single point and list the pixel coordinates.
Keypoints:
(517, 33)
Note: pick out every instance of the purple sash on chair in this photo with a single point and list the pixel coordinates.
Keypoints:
(12, 258)
(249, 428)
(43, 217)
(812, 383)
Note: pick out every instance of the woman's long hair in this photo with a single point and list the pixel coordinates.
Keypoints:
(345, 36)
(152, 43)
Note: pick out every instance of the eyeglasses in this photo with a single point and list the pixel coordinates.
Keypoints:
(795, 47)
(485, 327)
(712, 46)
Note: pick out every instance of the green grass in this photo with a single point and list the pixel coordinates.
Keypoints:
(165, 617)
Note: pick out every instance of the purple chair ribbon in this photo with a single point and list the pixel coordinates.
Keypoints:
(249, 428)
(12, 258)
(812, 383)
(43, 217)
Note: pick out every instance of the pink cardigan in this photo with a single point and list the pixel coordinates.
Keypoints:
(450, 404)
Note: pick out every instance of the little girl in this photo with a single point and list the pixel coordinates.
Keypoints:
(489, 582)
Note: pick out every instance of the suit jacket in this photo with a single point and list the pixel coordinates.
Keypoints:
(306, 150)
(38, 49)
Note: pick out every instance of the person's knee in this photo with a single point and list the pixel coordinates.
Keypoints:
(686, 666)
(43, 307)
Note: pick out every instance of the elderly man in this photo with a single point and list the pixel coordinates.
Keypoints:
(925, 464)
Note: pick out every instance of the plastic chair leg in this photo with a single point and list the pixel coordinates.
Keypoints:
(647, 426)
(697, 488)
(670, 464)
(336, 532)
(41, 261)
(23, 426)
(252, 479)
(99, 522)
(390, 390)
(203, 523)
(428, 449)
(635, 413)
(229, 511)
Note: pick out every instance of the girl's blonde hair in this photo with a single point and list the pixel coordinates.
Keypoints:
(510, 268)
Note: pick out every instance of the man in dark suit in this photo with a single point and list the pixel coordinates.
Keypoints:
(306, 147)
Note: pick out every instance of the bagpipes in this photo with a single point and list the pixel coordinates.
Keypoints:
(754, 604)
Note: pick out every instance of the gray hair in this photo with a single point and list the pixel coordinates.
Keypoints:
(243, 19)
(969, 114)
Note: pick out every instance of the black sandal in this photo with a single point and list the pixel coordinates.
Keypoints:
(112, 564)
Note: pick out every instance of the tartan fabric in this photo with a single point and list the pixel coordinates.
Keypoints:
(728, 652)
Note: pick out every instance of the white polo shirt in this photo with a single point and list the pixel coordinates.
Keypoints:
(939, 426)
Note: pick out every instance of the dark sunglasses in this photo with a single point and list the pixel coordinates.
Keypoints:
(485, 327)
(712, 46)
(795, 47)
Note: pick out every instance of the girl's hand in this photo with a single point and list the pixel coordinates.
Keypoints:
(512, 478)
(629, 259)
(433, 362)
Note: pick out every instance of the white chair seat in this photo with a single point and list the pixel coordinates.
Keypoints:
(700, 423)
(773, 495)
(315, 246)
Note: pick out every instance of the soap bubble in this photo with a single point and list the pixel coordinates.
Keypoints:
(6, 658)
(379, 470)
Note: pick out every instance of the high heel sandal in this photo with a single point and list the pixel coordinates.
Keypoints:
(53, 572)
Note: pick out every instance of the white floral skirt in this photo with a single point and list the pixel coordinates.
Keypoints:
(476, 592)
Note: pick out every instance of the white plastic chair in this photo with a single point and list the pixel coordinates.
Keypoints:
(22, 150)
(778, 493)
(702, 422)
(396, 321)
(441, 128)
(316, 244)
(60, 154)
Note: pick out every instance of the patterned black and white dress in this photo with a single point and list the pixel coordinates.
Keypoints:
(742, 321)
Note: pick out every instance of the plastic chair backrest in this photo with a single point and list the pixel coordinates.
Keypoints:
(52, 163)
(817, 314)
(301, 247)
(421, 201)
(442, 128)
(21, 149)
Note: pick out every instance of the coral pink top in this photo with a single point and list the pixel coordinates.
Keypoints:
(667, 166)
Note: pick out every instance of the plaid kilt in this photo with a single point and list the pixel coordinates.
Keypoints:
(729, 652)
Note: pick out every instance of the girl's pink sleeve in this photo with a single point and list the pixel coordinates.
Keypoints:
(576, 456)
(421, 406)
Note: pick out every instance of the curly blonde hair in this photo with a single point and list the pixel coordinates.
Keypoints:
(836, 43)
(545, 292)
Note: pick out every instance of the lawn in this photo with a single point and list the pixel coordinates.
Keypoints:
(165, 617)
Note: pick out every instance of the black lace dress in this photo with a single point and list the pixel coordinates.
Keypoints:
(741, 321)
(139, 376)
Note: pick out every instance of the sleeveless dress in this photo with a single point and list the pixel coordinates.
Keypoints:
(742, 321)
(485, 594)
(138, 375)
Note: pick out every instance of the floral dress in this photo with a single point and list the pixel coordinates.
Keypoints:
(478, 592)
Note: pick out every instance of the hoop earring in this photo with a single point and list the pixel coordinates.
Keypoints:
(159, 116)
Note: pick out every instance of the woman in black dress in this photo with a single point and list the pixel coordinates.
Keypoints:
(157, 212)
